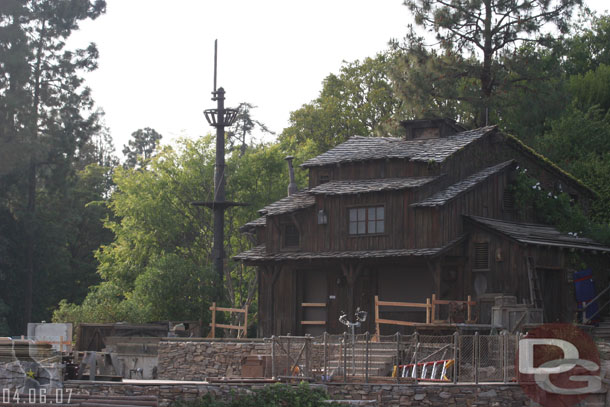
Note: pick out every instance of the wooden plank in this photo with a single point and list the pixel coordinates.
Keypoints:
(402, 323)
(213, 309)
(313, 322)
(313, 304)
(402, 304)
(227, 309)
(447, 302)
(229, 326)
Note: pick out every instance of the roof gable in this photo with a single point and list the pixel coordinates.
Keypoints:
(442, 197)
(291, 203)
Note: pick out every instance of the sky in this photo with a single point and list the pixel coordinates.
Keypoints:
(155, 67)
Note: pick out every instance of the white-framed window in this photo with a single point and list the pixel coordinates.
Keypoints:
(366, 220)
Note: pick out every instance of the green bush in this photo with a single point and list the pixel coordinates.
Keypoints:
(275, 395)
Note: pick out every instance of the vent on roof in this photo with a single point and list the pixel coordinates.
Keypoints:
(481, 256)
(508, 200)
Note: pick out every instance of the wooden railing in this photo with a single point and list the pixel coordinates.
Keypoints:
(586, 304)
(430, 307)
(313, 305)
(241, 329)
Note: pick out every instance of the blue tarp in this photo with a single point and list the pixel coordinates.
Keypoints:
(584, 288)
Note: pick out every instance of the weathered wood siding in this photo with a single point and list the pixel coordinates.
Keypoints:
(390, 168)
(508, 273)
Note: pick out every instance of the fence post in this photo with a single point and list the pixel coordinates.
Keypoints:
(213, 320)
(273, 356)
(397, 357)
(477, 357)
(428, 306)
(345, 357)
(505, 357)
(325, 368)
(433, 308)
(469, 310)
(416, 337)
(366, 369)
(455, 356)
(307, 355)
(378, 332)
(246, 321)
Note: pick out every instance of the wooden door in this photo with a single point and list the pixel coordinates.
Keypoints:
(315, 293)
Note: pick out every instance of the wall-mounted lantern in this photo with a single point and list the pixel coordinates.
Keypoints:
(322, 217)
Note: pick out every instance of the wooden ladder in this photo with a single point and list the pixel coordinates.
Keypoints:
(535, 292)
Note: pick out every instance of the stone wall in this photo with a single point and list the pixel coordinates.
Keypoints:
(386, 395)
(201, 359)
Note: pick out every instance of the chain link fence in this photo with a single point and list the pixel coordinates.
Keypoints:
(456, 358)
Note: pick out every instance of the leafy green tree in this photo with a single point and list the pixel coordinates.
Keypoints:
(158, 265)
(587, 47)
(46, 120)
(141, 147)
(357, 101)
(477, 53)
(241, 130)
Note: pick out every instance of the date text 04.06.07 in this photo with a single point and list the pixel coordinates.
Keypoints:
(42, 396)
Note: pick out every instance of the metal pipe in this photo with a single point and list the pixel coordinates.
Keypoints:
(455, 356)
(292, 187)
(397, 357)
(477, 356)
(368, 344)
(416, 337)
(273, 375)
(345, 357)
(325, 368)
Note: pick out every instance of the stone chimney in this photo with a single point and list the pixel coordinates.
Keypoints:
(292, 187)
(429, 128)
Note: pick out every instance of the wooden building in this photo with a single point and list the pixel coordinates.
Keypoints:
(406, 217)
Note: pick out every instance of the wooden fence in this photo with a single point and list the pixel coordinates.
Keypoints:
(430, 306)
(243, 330)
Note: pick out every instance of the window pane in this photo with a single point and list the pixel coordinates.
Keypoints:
(380, 226)
(353, 213)
(371, 213)
(361, 214)
(371, 226)
(361, 227)
(353, 228)
(380, 213)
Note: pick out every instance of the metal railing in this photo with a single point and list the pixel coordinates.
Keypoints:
(401, 358)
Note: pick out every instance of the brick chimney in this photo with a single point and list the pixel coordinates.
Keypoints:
(429, 128)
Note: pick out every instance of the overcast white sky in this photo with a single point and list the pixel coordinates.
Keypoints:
(156, 56)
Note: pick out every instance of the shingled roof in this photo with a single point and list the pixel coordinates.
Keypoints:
(359, 148)
(291, 203)
(259, 254)
(347, 187)
(253, 224)
(442, 197)
(539, 235)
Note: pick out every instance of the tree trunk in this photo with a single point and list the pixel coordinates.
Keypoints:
(30, 223)
(486, 75)
(29, 245)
